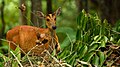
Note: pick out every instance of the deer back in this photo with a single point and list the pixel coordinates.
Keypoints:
(26, 37)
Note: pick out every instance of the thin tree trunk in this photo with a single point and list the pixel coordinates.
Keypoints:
(49, 6)
(36, 5)
(82, 4)
(3, 21)
(23, 15)
(86, 6)
(108, 9)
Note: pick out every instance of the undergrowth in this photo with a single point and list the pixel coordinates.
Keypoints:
(96, 42)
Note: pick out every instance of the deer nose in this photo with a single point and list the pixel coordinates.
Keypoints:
(54, 27)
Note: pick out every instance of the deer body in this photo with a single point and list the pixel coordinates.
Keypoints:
(27, 37)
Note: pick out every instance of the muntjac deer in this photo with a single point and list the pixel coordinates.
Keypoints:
(27, 37)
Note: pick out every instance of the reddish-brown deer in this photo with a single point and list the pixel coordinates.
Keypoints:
(27, 37)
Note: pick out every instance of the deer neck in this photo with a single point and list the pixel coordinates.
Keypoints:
(52, 32)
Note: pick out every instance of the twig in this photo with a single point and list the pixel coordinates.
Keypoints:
(45, 60)
(53, 57)
(70, 41)
(86, 63)
(32, 49)
(66, 64)
(29, 61)
(28, 56)
(13, 44)
(9, 50)
(115, 32)
(20, 49)
(16, 58)
(57, 60)
(115, 60)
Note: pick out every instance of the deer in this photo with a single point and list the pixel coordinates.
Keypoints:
(27, 37)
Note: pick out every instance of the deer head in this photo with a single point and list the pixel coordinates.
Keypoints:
(50, 18)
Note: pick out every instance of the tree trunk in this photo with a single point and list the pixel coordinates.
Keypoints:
(36, 5)
(108, 9)
(3, 22)
(23, 15)
(82, 4)
(49, 6)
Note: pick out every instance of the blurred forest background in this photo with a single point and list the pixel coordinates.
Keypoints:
(11, 16)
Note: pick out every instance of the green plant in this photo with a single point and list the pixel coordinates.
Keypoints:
(13, 59)
(92, 35)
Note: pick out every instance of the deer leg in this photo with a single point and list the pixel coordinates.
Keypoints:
(57, 46)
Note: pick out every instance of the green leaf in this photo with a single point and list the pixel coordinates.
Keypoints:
(95, 60)
(85, 20)
(69, 33)
(111, 39)
(88, 56)
(72, 62)
(63, 53)
(70, 57)
(77, 46)
(17, 52)
(97, 38)
(2, 64)
(15, 64)
(80, 46)
(80, 19)
(105, 39)
(86, 36)
(93, 47)
(78, 35)
(82, 51)
(102, 57)
(118, 42)
(102, 43)
(4, 57)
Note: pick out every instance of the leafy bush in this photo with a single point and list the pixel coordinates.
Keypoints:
(91, 38)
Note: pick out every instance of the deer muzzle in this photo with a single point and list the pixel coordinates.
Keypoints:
(54, 27)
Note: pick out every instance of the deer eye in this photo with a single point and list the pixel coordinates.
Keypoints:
(48, 19)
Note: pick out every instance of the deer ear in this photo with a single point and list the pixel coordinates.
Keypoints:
(58, 11)
(40, 14)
